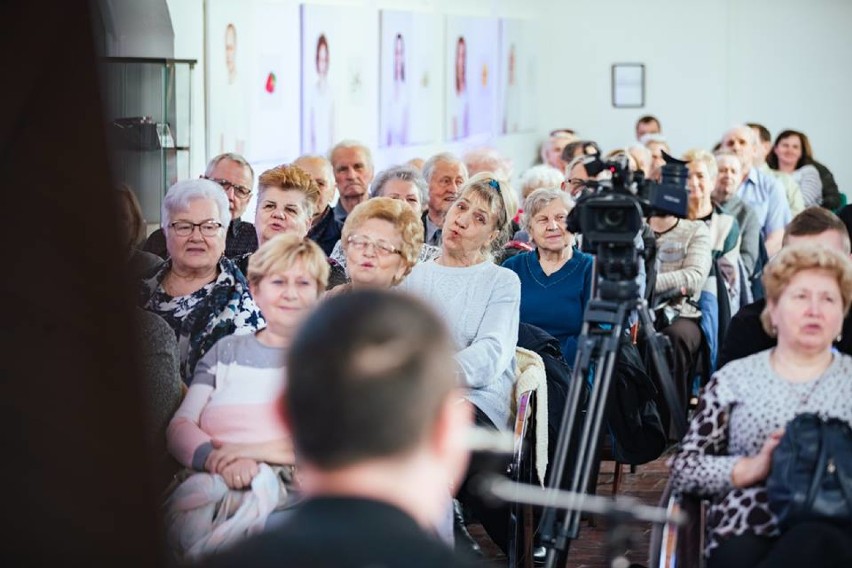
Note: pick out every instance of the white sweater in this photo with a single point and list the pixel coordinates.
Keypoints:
(481, 305)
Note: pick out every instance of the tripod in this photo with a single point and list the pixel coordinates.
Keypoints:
(597, 351)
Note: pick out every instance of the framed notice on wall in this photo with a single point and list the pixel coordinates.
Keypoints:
(628, 85)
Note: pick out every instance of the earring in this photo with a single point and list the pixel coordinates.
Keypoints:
(839, 337)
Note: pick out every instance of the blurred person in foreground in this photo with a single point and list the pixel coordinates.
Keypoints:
(375, 472)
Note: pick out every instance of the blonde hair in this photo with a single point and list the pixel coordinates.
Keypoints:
(289, 177)
(703, 157)
(500, 200)
(798, 258)
(396, 212)
(281, 252)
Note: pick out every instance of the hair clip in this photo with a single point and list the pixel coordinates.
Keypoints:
(495, 185)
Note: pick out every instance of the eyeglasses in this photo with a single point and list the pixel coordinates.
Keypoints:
(240, 191)
(382, 248)
(185, 228)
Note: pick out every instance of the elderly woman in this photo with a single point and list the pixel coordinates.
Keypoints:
(725, 236)
(201, 294)
(556, 278)
(727, 452)
(382, 238)
(402, 183)
(229, 423)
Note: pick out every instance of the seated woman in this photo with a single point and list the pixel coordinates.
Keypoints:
(792, 155)
(140, 264)
(405, 184)
(683, 255)
(382, 239)
(556, 278)
(200, 293)
(725, 237)
(230, 422)
(726, 454)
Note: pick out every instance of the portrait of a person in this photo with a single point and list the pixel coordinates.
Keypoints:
(511, 103)
(232, 135)
(460, 108)
(320, 127)
(397, 102)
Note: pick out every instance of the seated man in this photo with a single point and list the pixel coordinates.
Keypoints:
(745, 333)
(378, 424)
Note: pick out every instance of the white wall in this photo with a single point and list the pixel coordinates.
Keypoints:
(784, 63)
(709, 64)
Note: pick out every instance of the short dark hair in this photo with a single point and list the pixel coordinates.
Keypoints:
(649, 118)
(367, 376)
(762, 132)
(582, 145)
(816, 220)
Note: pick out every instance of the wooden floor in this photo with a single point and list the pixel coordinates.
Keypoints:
(589, 550)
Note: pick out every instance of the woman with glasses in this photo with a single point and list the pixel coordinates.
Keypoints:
(200, 293)
(381, 238)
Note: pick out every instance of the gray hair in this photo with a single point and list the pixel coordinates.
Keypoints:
(326, 163)
(347, 144)
(180, 194)
(752, 136)
(442, 158)
(487, 159)
(211, 165)
(541, 198)
(540, 176)
(403, 173)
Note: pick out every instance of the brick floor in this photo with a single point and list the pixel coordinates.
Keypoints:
(589, 551)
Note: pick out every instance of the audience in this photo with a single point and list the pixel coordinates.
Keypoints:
(647, 124)
(792, 189)
(353, 172)
(540, 176)
(791, 155)
(373, 407)
(383, 240)
(745, 334)
(235, 177)
(201, 294)
(730, 175)
(656, 145)
(762, 192)
(726, 454)
(445, 174)
(487, 160)
(556, 278)
(325, 230)
(228, 430)
(551, 149)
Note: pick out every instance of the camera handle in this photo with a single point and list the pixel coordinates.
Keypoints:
(597, 352)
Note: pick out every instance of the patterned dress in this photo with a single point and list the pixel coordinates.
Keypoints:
(202, 318)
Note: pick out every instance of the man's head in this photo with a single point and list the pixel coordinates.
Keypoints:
(235, 175)
(647, 125)
(579, 148)
(551, 149)
(353, 172)
(764, 142)
(445, 174)
(816, 225)
(576, 176)
(372, 378)
(323, 175)
(742, 141)
(730, 176)
(487, 159)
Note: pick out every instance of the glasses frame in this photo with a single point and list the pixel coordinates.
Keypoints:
(240, 191)
(377, 245)
(194, 225)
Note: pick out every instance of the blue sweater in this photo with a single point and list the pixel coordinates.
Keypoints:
(555, 303)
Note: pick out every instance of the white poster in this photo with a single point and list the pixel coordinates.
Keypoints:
(340, 48)
(517, 100)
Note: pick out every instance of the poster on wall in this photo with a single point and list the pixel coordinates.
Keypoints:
(339, 76)
(471, 77)
(409, 78)
(517, 99)
(253, 95)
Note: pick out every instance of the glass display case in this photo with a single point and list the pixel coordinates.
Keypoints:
(149, 125)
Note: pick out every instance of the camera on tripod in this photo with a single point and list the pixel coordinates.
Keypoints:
(610, 214)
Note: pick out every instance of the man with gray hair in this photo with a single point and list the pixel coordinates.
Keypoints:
(353, 172)
(760, 190)
(325, 230)
(445, 174)
(235, 176)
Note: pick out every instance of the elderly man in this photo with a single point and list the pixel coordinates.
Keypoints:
(325, 230)
(725, 195)
(353, 171)
(761, 191)
(236, 177)
(379, 426)
(445, 174)
(792, 191)
(551, 149)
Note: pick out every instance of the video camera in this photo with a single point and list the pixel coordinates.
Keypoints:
(610, 214)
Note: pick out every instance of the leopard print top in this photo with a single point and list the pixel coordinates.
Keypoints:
(743, 403)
